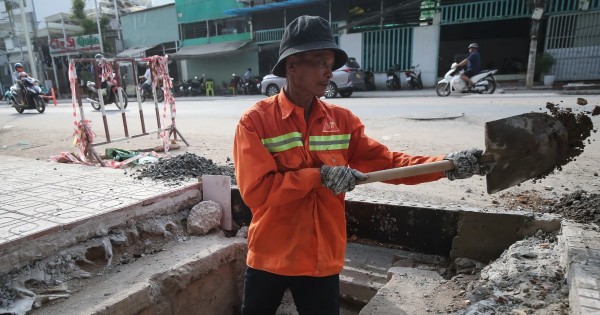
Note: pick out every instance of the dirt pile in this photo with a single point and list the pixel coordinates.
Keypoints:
(182, 167)
(579, 206)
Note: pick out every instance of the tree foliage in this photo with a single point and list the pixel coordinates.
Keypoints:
(89, 25)
(78, 13)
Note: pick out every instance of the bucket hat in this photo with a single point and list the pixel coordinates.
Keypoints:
(307, 33)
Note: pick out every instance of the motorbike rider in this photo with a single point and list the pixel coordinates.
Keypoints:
(103, 84)
(18, 74)
(147, 80)
(247, 74)
(472, 63)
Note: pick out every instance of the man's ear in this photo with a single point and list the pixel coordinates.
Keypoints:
(290, 64)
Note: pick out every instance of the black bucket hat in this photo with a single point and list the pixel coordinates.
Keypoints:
(307, 33)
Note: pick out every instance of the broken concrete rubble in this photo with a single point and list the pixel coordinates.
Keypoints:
(204, 217)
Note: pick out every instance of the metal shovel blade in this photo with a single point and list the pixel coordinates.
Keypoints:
(523, 147)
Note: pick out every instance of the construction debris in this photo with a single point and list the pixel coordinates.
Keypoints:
(182, 167)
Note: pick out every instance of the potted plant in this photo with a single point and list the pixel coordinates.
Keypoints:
(544, 63)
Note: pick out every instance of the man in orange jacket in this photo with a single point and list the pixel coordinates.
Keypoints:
(295, 157)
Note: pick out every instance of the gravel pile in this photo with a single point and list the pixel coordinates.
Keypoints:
(182, 167)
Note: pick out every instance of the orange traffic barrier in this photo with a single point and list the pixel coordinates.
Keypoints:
(53, 96)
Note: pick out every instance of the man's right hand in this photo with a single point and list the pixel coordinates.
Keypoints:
(340, 178)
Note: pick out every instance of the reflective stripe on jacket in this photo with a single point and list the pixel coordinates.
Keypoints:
(298, 226)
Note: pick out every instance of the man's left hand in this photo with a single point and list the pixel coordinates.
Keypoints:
(340, 178)
(466, 164)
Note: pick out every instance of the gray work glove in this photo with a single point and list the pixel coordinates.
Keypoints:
(467, 164)
(340, 178)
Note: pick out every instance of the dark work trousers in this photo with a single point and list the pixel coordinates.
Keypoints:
(263, 292)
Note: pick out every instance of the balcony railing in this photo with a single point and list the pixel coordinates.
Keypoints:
(501, 9)
(217, 39)
(274, 35)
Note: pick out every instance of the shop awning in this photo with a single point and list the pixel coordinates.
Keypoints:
(267, 7)
(135, 52)
(196, 51)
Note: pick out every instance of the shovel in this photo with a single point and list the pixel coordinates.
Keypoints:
(521, 147)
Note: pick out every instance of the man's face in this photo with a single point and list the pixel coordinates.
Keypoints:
(19, 69)
(311, 71)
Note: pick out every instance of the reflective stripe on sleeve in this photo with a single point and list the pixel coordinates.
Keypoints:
(283, 142)
(324, 143)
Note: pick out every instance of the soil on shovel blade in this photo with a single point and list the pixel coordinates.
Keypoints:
(579, 128)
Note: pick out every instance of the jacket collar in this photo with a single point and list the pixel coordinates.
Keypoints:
(288, 107)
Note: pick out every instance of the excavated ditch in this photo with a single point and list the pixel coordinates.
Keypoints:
(152, 266)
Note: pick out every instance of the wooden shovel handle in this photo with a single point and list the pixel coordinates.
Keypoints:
(407, 171)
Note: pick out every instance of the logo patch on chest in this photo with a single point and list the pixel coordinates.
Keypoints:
(329, 125)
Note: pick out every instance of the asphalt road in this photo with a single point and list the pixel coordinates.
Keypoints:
(383, 113)
(415, 122)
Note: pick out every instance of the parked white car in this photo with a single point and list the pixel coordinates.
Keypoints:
(345, 81)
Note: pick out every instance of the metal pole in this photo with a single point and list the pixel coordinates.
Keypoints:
(118, 21)
(53, 63)
(98, 23)
(28, 40)
(62, 21)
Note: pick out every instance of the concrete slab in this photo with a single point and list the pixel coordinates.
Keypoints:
(173, 281)
(582, 262)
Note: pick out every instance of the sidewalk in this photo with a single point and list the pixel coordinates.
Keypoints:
(48, 206)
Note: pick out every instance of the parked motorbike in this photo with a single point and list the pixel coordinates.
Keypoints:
(195, 86)
(28, 97)
(251, 86)
(146, 91)
(110, 94)
(413, 77)
(483, 83)
(393, 81)
(181, 89)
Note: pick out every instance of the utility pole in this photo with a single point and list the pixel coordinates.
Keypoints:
(99, 28)
(28, 41)
(538, 11)
(118, 21)
(53, 63)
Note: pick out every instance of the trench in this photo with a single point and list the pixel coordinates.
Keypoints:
(154, 267)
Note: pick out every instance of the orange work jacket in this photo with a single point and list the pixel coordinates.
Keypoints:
(298, 226)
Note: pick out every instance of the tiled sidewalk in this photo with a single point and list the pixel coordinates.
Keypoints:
(39, 198)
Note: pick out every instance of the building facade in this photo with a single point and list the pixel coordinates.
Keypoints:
(218, 38)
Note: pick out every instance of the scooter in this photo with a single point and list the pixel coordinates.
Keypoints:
(112, 93)
(393, 81)
(181, 89)
(29, 97)
(146, 91)
(483, 83)
(413, 77)
(250, 86)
